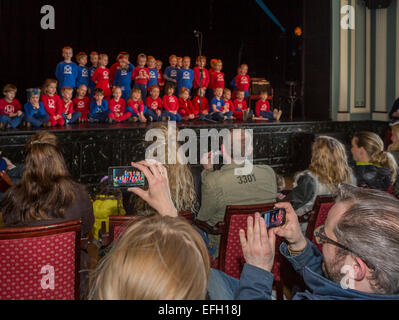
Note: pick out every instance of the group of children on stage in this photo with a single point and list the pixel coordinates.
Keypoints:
(106, 95)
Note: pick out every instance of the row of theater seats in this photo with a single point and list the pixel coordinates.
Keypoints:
(31, 256)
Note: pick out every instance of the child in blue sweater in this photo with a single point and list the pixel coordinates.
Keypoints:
(123, 77)
(185, 76)
(98, 108)
(67, 71)
(83, 71)
(35, 114)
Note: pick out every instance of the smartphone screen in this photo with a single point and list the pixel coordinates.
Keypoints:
(126, 177)
(274, 218)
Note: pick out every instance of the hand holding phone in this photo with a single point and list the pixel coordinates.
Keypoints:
(274, 218)
(126, 177)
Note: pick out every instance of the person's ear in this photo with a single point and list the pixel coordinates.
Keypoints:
(360, 269)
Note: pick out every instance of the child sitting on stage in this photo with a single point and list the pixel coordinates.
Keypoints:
(186, 108)
(94, 65)
(136, 106)
(98, 108)
(35, 114)
(161, 79)
(11, 114)
(217, 107)
(263, 108)
(241, 111)
(83, 71)
(154, 104)
(228, 104)
(67, 71)
(117, 107)
(52, 102)
(201, 63)
(67, 111)
(243, 80)
(81, 103)
(101, 76)
(141, 75)
(185, 76)
(153, 81)
(123, 76)
(201, 103)
(171, 104)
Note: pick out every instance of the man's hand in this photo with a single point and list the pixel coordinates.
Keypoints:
(259, 245)
(158, 193)
(291, 230)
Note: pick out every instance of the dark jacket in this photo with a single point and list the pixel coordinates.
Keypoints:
(373, 176)
(395, 108)
(256, 284)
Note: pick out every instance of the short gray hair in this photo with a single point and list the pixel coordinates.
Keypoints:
(370, 227)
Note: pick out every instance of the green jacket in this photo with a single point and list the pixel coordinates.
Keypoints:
(222, 188)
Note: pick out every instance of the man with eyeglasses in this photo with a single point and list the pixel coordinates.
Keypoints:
(360, 258)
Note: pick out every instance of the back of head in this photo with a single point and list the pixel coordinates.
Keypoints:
(157, 258)
(329, 162)
(374, 147)
(370, 227)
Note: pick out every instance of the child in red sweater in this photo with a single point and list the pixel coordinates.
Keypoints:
(161, 79)
(141, 75)
(263, 109)
(201, 104)
(186, 108)
(217, 79)
(154, 104)
(241, 111)
(228, 104)
(52, 102)
(170, 104)
(201, 63)
(101, 76)
(11, 114)
(117, 106)
(136, 106)
(81, 103)
(67, 111)
(243, 80)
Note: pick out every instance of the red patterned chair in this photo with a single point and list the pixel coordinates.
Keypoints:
(40, 263)
(318, 216)
(117, 224)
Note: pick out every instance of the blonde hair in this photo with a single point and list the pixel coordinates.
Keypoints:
(102, 56)
(9, 88)
(156, 258)
(395, 132)
(181, 181)
(330, 162)
(374, 147)
(47, 83)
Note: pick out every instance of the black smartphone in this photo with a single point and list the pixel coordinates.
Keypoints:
(126, 177)
(274, 218)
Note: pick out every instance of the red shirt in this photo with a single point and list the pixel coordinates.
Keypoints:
(197, 77)
(170, 103)
(82, 105)
(217, 80)
(67, 108)
(53, 105)
(117, 107)
(262, 106)
(139, 75)
(154, 105)
(243, 82)
(112, 72)
(161, 80)
(239, 107)
(6, 108)
(137, 106)
(204, 103)
(101, 78)
(229, 104)
(186, 107)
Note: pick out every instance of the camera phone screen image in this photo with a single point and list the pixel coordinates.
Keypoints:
(128, 178)
(274, 218)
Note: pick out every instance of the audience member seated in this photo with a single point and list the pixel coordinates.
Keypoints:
(328, 168)
(224, 187)
(394, 114)
(375, 168)
(360, 259)
(47, 194)
(394, 150)
(182, 184)
(160, 257)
